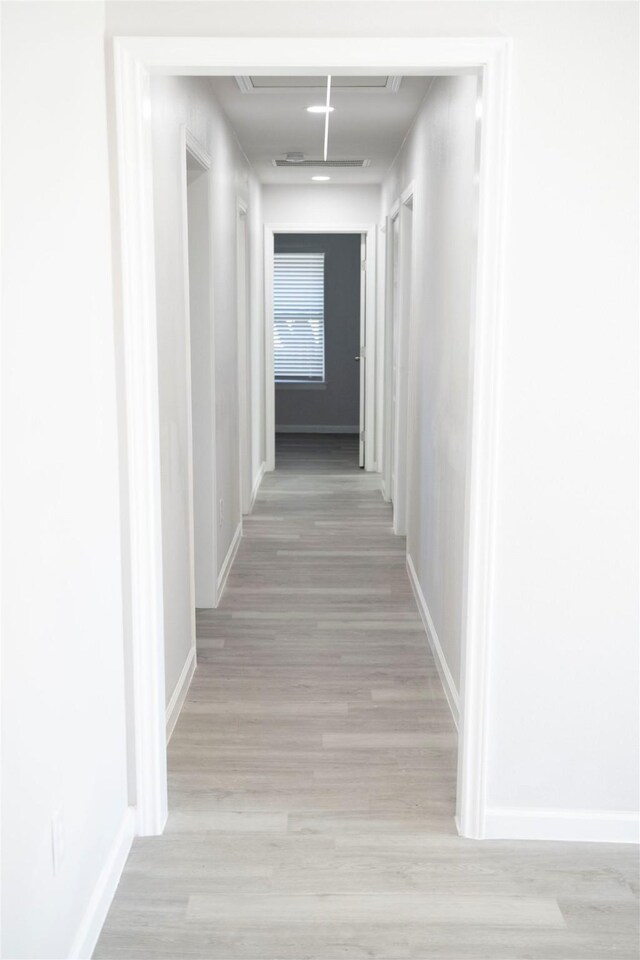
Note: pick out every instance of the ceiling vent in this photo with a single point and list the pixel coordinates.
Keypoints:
(256, 84)
(320, 163)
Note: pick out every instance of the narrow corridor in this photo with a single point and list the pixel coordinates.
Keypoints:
(312, 772)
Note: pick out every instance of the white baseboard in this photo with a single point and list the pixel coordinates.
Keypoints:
(256, 485)
(96, 913)
(603, 826)
(228, 562)
(316, 428)
(445, 674)
(178, 696)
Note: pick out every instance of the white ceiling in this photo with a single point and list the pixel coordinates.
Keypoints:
(369, 122)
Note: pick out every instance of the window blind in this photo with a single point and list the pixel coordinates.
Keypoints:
(298, 316)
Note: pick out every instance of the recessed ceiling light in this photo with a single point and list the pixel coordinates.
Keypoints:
(320, 108)
(321, 178)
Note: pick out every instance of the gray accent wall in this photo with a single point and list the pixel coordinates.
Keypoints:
(336, 403)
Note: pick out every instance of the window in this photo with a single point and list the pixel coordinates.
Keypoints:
(298, 317)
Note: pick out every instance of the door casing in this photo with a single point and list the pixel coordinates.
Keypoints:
(245, 441)
(135, 58)
(368, 325)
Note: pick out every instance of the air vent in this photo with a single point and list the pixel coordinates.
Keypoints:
(256, 84)
(321, 163)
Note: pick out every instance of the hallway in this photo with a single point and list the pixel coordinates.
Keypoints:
(312, 772)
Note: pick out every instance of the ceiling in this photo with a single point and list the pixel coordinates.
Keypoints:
(371, 118)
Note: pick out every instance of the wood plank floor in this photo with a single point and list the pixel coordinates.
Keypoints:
(312, 771)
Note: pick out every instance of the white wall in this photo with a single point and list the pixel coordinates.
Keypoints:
(321, 204)
(564, 632)
(177, 101)
(438, 157)
(202, 383)
(62, 653)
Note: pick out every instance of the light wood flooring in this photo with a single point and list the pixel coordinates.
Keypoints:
(312, 771)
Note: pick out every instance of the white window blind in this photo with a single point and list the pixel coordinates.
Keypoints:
(298, 316)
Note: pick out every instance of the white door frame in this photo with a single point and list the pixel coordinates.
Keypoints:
(191, 145)
(403, 325)
(366, 355)
(244, 406)
(369, 231)
(389, 346)
(134, 59)
(379, 378)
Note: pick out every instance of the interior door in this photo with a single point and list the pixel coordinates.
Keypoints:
(362, 357)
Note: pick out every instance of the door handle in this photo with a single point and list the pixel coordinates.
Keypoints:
(356, 358)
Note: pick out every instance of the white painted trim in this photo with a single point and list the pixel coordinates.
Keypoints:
(317, 428)
(195, 148)
(363, 362)
(143, 437)
(602, 826)
(387, 349)
(404, 326)
(86, 938)
(269, 377)
(370, 231)
(446, 679)
(256, 485)
(228, 563)
(371, 346)
(179, 695)
(379, 390)
(485, 367)
(305, 56)
(243, 339)
(190, 144)
(134, 59)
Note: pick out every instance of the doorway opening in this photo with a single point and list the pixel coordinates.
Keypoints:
(488, 57)
(324, 383)
(318, 330)
(199, 549)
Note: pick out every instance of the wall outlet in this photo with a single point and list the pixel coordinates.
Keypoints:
(57, 841)
(220, 512)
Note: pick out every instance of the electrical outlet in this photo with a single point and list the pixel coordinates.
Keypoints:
(57, 841)
(220, 512)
